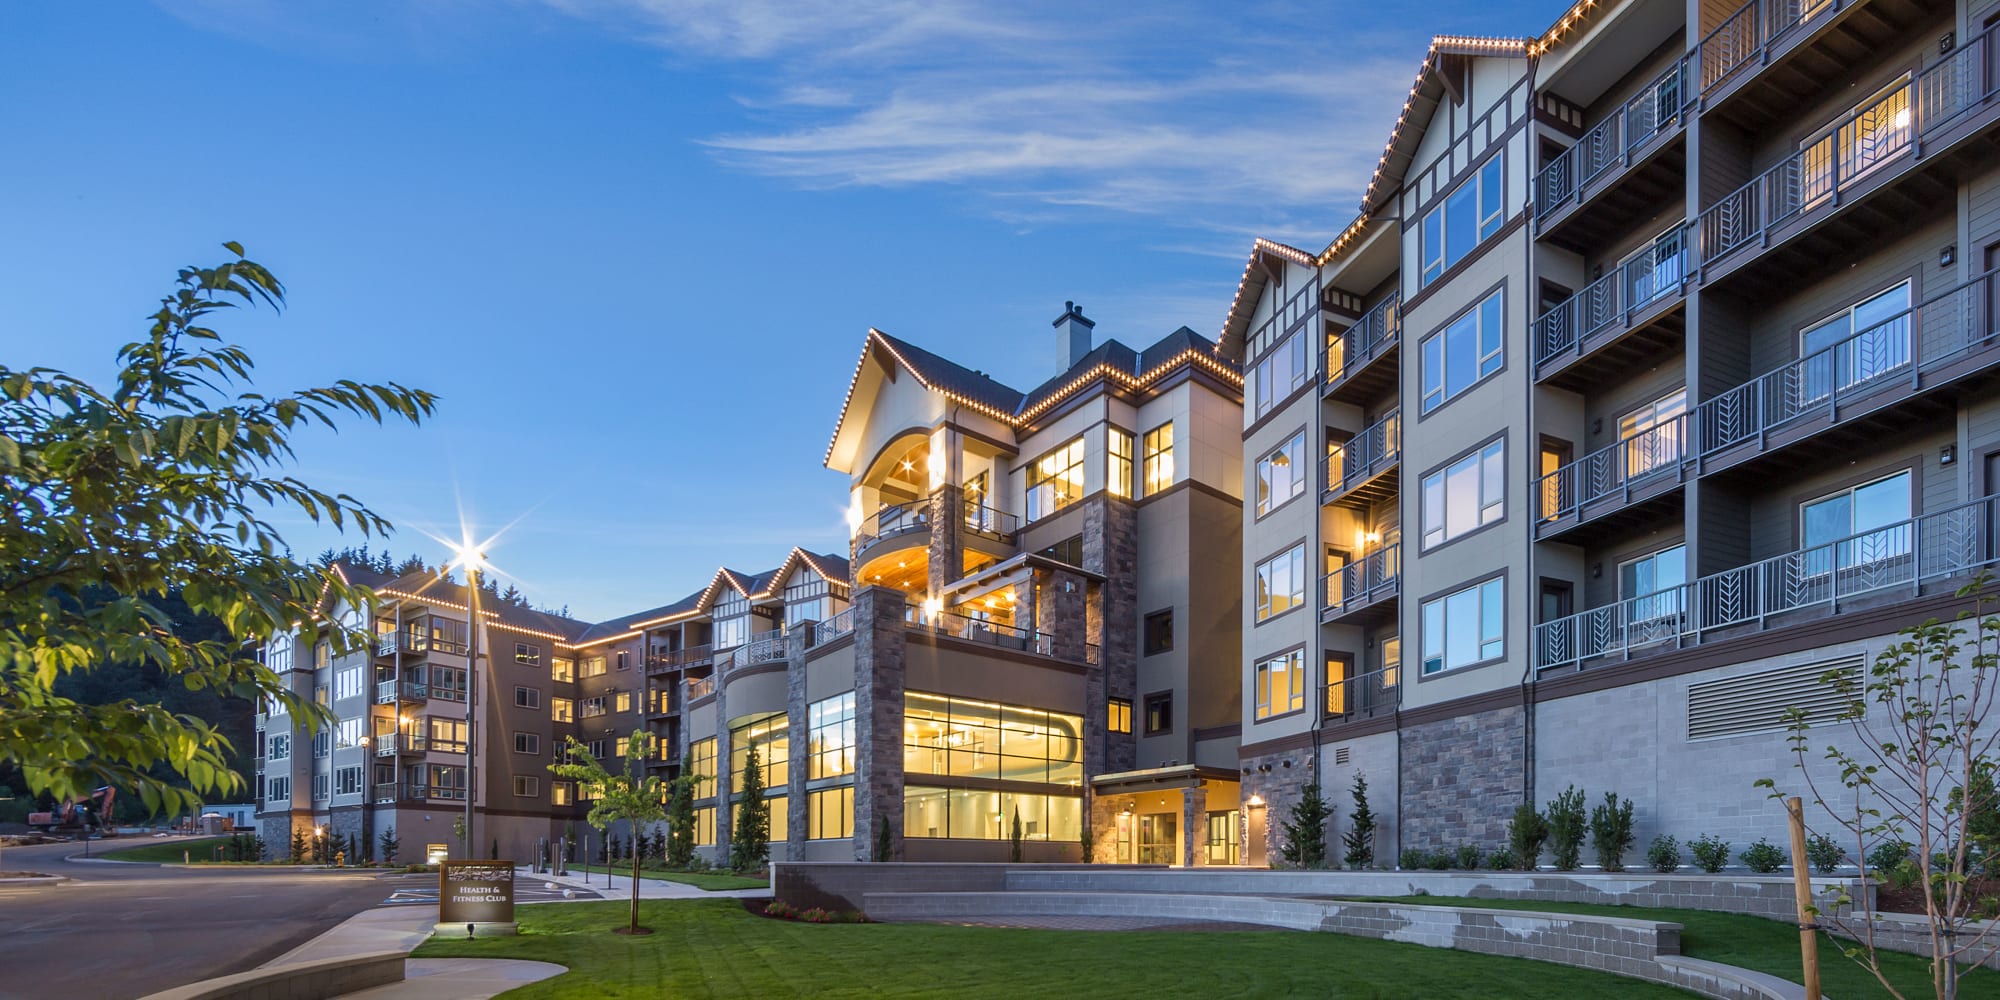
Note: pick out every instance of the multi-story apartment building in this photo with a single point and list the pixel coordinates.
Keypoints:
(1669, 334)
(410, 717)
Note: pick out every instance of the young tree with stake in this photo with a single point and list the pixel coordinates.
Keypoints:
(624, 796)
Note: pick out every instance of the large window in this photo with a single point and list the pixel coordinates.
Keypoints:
(593, 707)
(1653, 434)
(1159, 458)
(979, 739)
(1281, 473)
(1278, 374)
(978, 814)
(562, 709)
(1467, 350)
(1281, 582)
(1467, 494)
(347, 781)
(527, 654)
(278, 789)
(704, 826)
(1157, 635)
(701, 766)
(1642, 580)
(1281, 684)
(810, 598)
(1858, 526)
(279, 746)
(1118, 468)
(830, 736)
(447, 735)
(1466, 628)
(562, 668)
(830, 813)
(347, 683)
(1055, 480)
(1120, 715)
(593, 666)
(1856, 344)
(562, 793)
(1470, 214)
(772, 736)
(1158, 711)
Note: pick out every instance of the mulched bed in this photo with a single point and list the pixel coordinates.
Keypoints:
(1890, 899)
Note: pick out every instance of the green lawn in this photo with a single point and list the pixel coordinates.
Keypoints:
(705, 881)
(1756, 943)
(712, 948)
(199, 850)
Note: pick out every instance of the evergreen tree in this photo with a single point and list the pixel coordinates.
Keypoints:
(390, 845)
(1360, 837)
(1014, 847)
(1305, 832)
(299, 846)
(680, 823)
(882, 842)
(750, 839)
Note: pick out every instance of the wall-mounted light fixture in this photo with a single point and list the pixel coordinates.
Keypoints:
(1256, 801)
(1596, 570)
(1947, 42)
(1948, 256)
(1948, 454)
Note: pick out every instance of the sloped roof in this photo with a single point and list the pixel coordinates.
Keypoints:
(425, 587)
(951, 377)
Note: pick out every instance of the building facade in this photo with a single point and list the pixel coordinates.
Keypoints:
(1667, 334)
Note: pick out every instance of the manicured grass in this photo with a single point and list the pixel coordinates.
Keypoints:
(163, 853)
(712, 948)
(1756, 943)
(705, 881)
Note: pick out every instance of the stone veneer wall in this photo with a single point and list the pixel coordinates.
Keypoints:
(1281, 788)
(798, 732)
(946, 550)
(1111, 549)
(879, 644)
(1462, 778)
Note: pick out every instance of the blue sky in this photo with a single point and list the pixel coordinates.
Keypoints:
(635, 244)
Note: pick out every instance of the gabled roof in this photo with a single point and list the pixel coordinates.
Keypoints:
(424, 587)
(757, 586)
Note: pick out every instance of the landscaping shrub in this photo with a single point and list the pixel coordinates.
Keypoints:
(1888, 855)
(1711, 853)
(1611, 832)
(1305, 832)
(1411, 859)
(1468, 857)
(1360, 836)
(1763, 857)
(1502, 860)
(1905, 874)
(780, 908)
(1664, 854)
(1566, 829)
(1438, 861)
(1525, 835)
(1824, 853)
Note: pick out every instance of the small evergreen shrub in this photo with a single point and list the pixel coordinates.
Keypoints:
(1526, 833)
(1439, 861)
(1468, 857)
(1305, 832)
(1611, 832)
(1763, 857)
(1664, 854)
(1711, 853)
(1567, 825)
(1824, 853)
(1412, 859)
(1359, 840)
(1502, 859)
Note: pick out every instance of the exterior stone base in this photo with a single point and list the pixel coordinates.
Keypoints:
(1462, 778)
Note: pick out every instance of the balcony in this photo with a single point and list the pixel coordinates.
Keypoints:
(387, 643)
(1364, 696)
(432, 793)
(1771, 57)
(907, 523)
(1855, 389)
(662, 661)
(1363, 592)
(833, 628)
(764, 647)
(1367, 464)
(1615, 486)
(1619, 172)
(1620, 322)
(407, 692)
(393, 744)
(986, 522)
(1939, 549)
(700, 687)
(1865, 174)
(1362, 360)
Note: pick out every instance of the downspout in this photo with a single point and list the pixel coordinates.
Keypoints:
(1533, 441)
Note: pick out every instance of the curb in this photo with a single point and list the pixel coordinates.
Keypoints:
(34, 880)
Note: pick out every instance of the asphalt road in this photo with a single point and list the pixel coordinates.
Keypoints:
(121, 931)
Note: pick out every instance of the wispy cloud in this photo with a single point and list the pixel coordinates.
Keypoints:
(1217, 120)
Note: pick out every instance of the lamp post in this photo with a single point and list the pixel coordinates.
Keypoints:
(474, 561)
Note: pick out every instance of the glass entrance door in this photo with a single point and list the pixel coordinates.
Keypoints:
(1159, 839)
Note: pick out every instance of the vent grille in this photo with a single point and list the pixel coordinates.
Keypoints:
(1340, 757)
(1756, 703)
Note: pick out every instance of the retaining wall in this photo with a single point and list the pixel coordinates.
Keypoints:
(333, 977)
(840, 885)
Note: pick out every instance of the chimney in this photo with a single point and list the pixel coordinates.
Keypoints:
(1072, 335)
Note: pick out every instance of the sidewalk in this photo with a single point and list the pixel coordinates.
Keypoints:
(402, 928)
(621, 887)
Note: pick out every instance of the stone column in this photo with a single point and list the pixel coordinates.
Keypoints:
(1111, 548)
(1061, 611)
(1194, 819)
(879, 643)
(947, 551)
(725, 816)
(798, 734)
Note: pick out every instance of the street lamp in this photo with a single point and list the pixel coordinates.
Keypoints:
(468, 555)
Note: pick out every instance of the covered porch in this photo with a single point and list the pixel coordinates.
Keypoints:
(1184, 815)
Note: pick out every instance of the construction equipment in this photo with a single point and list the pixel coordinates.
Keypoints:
(91, 814)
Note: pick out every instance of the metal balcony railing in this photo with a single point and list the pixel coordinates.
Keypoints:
(1364, 455)
(1365, 696)
(1744, 37)
(1614, 469)
(764, 647)
(1655, 273)
(700, 687)
(1945, 544)
(411, 642)
(1364, 581)
(386, 692)
(833, 628)
(1934, 333)
(419, 793)
(985, 520)
(391, 744)
(991, 633)
(1370, 337)
(895, 519)
(1652, 111)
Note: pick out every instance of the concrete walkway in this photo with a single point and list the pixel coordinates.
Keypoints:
(649, 888)
(460, 979)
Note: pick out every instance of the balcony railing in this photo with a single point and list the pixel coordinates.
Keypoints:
(386, 792)
(386, 692)
(765, 647)
(1362, 582)
(1933, 334)
(420, 793)
(1744, 37)
(1611, 142)
(391, 744)
(833, 628)
(980, 630)
(1370, 337)
(984, 520)
(668, 659)
(1945, 544)
(1364, 455)
(411, 642)
(1614, 470)
(1365, 696)
(700, 687)
(1656, 273)
(1858, 144)
(897, 518)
